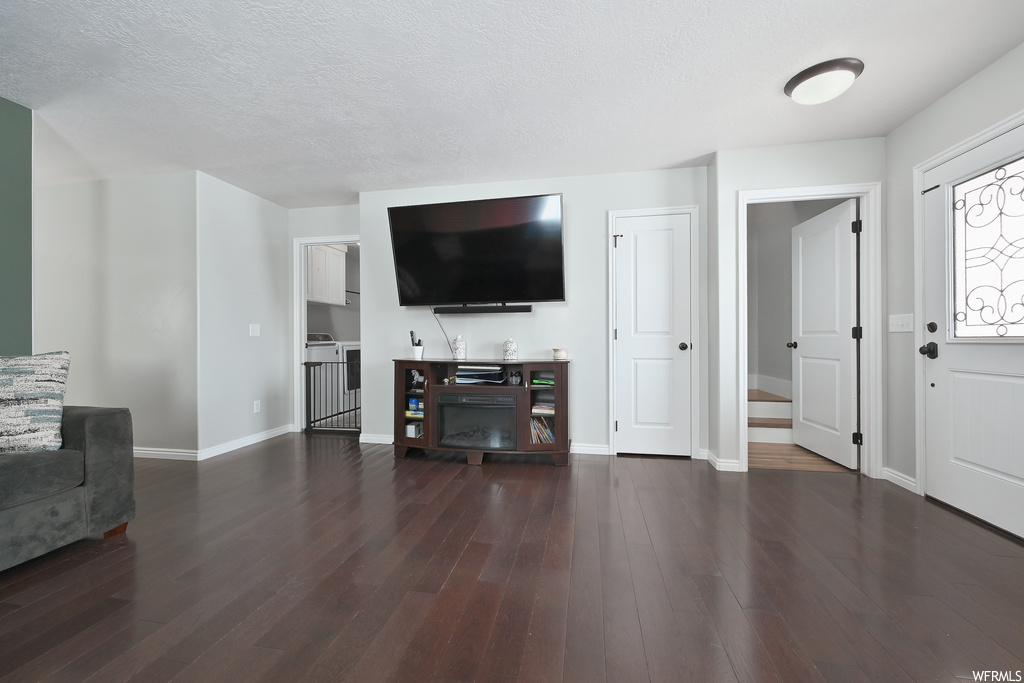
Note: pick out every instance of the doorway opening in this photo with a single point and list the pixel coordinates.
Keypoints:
(327, 334)
(805, 202)
(771, 341)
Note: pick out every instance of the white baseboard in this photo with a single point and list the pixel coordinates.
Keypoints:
(167, 454)
(723, 465)
(900, 479)
(229, 446)
(773, 385)
(376, 438)
(590, 449)
(702, 455)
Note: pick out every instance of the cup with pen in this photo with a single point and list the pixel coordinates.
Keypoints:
(417, 346)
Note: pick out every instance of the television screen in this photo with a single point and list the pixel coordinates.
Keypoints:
(487, 251)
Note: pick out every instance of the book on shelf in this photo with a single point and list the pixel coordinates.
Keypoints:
(414, 413)
(543, 378)
(479, 374)
(543, 409)
(540, 432)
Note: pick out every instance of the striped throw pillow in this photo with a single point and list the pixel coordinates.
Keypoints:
(32, 401)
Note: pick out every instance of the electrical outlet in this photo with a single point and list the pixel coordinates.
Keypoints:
(254, 329)
(902, 322)
(255, 406)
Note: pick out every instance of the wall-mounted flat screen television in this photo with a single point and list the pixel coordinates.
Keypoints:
(488, 251)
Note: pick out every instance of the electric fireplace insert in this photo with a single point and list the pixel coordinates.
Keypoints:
(485, 422)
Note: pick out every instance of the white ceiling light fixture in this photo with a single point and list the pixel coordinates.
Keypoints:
(825, 81)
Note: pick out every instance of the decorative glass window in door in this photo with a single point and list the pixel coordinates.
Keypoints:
(988, 254)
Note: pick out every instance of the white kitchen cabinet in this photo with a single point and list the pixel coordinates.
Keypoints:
(325, 273)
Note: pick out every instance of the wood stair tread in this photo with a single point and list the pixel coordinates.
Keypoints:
(759, 395)
(770, 422)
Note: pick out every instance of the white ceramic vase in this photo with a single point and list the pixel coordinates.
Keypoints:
(459, 348)
(510, 350)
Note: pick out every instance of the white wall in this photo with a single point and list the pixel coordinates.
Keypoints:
(326, 221)
(770, 287)
(115, 284)
(244, 277)
(807, 165)
(769, 312)
(580, 323)
(993, 95)
(753, 300)
(712, 355)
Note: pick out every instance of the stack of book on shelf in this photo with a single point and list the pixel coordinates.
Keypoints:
(540, 431)
(543, 408)
(543, 402)
(479, 374)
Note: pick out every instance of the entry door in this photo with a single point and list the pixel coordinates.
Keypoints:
(654, 362)
(974, 293)
(824, 352)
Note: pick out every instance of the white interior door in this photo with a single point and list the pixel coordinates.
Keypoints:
(824, 352)
(654, 362)
(974, 293)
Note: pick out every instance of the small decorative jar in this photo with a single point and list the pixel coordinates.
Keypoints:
(510, 350)
(459, 348)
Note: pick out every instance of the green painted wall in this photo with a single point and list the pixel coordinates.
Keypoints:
(15, 229)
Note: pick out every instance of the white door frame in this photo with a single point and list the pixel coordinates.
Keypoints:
(981, 138)
(871, 299)
(299, 245)
(695, 330)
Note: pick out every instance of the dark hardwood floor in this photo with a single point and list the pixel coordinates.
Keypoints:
(315, 558)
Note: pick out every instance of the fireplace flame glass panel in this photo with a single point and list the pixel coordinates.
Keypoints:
(477, 421)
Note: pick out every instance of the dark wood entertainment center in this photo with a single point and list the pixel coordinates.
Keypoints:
(500, 414)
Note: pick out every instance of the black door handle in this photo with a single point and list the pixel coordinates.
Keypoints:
(791, 345)
(683, 346)
(931, 349)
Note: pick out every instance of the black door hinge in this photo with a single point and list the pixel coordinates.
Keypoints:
(616, 240)
(858, 439)
(616, 425)
(858, 226)
(858, 333)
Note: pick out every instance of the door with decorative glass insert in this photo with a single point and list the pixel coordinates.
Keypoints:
(974, 351)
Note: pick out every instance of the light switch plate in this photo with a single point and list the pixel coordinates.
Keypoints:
(254, 330)
(901, 322)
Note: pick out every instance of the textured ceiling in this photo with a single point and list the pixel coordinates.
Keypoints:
(309, 102)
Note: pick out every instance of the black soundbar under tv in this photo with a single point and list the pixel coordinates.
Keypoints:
(500, 308)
